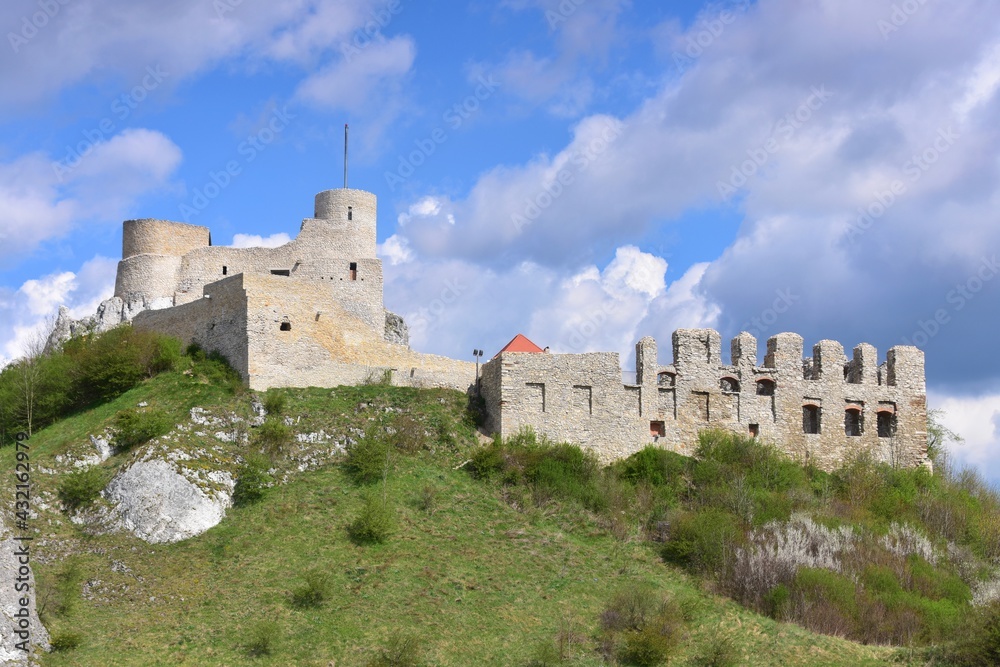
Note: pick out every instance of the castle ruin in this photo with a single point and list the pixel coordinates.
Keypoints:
(311, 313)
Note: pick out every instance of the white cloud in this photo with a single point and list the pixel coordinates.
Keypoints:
(258, 241)
(44, 199)
(396, 250)
(30, 310)
(976, 419)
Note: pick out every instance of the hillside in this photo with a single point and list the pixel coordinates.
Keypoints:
(476, 569)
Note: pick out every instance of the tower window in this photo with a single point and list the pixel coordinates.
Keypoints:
(886, 424)
(281, 272)
(354, 270)
(765, 387)
(350, 212)
(225, 270)
(286, 326)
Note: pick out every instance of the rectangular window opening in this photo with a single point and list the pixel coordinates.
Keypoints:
(754, 430)
(354, 270)
(657, 429)
(281, 272)
(225, 270)
(810, 419)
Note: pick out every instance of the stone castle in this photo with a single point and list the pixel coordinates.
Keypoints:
(311, 313)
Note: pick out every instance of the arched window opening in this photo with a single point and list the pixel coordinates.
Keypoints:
(765, 387)
(729, 385)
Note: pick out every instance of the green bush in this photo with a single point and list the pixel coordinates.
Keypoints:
(252, 481)
(641, 625)
(400, 651)
(314, 590)
(274, 402)
(653, 465)
(134, 428)
(272, 437)
(81, 487)
(262, 639)
(66, 640)
(369, 459)
(700, 540)
(375, 523)
(979, 644)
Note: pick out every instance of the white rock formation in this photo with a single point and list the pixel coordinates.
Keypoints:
(157, 504)
(10, 625)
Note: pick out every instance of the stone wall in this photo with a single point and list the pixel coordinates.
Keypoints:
(162, 237)
(855, 405)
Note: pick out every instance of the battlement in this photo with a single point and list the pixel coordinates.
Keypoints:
(821, 409)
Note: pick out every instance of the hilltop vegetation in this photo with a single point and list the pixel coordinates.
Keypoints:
(371, 526)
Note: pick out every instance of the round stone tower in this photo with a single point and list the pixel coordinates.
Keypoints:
(152, 252)
(346, 216)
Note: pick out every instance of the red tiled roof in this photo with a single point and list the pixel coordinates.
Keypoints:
(520, 343)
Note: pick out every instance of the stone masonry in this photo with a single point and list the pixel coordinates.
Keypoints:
(310, 313)
(818, 410)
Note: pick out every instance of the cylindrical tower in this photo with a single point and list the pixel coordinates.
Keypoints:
(152, 252)
(351, 215)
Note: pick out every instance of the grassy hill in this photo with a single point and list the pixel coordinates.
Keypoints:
(492, 568)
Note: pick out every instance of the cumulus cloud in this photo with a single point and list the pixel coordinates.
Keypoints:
(31, 309)
(185, 37)
(44, 198)
(977, 420)
(867, 185)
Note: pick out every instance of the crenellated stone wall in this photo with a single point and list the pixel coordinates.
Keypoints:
(852, 405)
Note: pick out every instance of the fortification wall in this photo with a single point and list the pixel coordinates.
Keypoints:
(217, 322)
(298, 336)
(820, 410)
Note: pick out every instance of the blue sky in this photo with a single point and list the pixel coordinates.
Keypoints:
(586, 172)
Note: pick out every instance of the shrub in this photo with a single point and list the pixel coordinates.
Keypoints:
(428, 499)
(314, 590)
(273, 437)
(81, 487)
(979, 643)
(399, 651)
(134, 428)
(369, 459)
(252, 481)
(640, 625)
(409, 435)
(653, 465)
(375, 523)
(701, 539)
(719, 652)
(262, 638)
(66, 640)
(274, 402)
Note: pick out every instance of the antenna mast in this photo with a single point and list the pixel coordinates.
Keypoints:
(345, 156)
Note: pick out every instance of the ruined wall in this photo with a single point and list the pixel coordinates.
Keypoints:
(169, 263)
(323, 344)
(853, 405)
(217, 322)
